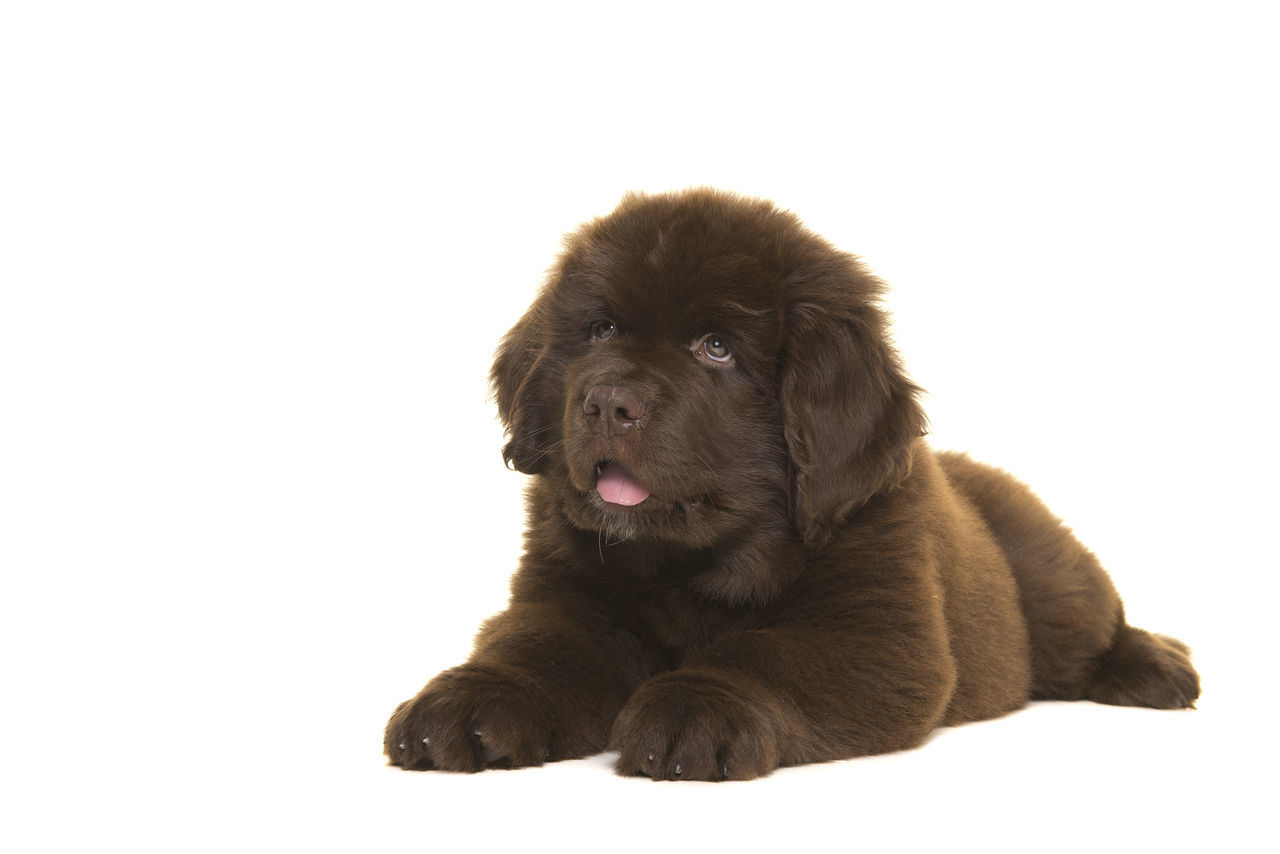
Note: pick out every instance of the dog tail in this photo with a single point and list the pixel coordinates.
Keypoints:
(1144, 669)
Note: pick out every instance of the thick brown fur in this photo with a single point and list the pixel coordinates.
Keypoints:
(806, 580)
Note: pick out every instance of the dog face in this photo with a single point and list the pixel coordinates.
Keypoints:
(700, 369)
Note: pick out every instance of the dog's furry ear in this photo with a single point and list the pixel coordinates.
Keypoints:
(849, 412)
(519, 382)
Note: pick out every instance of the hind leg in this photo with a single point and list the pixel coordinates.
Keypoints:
(1081, 647)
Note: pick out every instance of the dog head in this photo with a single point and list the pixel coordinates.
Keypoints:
(699, 367)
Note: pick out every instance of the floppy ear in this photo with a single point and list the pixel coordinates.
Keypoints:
(849, 413)
(521, 387)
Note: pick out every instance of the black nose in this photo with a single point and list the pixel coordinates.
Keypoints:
(612, 409)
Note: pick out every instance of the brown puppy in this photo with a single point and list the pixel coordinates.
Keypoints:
(741, 553)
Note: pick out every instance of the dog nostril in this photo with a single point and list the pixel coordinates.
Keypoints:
(612, 407)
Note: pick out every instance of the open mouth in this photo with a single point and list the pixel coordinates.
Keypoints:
(618, 486)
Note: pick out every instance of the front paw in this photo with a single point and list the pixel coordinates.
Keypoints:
(695, 725)
(471, 718)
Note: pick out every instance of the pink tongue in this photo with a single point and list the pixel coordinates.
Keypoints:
(617, 486)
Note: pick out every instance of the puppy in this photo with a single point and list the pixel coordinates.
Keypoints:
(741, 553)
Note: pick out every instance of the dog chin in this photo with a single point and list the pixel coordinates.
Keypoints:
(615, 523)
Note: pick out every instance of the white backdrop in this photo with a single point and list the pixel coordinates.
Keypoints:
(255, 259)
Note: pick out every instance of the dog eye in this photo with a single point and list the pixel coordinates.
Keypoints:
(602, 330)
(714, 348)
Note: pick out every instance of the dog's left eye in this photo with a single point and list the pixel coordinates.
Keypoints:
(714, 348)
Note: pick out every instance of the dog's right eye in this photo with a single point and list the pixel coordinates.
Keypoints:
(603, 330)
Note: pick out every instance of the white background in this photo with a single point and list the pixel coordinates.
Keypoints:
(255, 257)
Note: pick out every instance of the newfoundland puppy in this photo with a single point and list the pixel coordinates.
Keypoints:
(741, 553)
